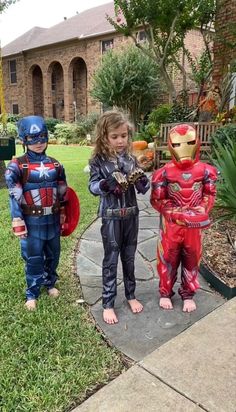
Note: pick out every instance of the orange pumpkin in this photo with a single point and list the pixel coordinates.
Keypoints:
(139, 145)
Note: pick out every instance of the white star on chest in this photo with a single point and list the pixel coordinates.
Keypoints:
(43, 170)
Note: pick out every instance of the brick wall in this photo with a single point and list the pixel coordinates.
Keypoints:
(36, 68)
(225, 42)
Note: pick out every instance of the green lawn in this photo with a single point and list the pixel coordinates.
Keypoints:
(50, 359)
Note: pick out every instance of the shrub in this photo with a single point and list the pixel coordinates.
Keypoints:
(128, 79)
(87, 123)
(224, 158)
(51, 123)
(13, 118)
(179, 113)
(10, 128)
(146, 133)
(160, 115)
(68, 133)
(228, 116)
(224, 135)
(165, 113)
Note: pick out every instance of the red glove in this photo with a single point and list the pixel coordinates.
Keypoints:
(19, 227)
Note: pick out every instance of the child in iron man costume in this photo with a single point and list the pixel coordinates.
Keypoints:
(37, 187)
(183, 192)
(114, 176)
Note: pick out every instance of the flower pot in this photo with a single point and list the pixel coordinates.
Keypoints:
(211, 277)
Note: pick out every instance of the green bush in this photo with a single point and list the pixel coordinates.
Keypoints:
(87, 123)
(165, 113)
(146, 132)
(51, 123)
(137, 137)
(10, 128)
(10, 118)
(224, 135)
(160, 115)
(69, 133)
(179, 113)
(224, 158)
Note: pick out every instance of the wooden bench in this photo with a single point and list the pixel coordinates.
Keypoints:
(204, 131)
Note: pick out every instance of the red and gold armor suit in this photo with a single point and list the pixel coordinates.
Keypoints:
(183, 192)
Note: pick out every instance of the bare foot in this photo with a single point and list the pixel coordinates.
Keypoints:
(135, 305)
(31, 304)
(109, 316)
(189, 305)
(165, 303)
(53, 292)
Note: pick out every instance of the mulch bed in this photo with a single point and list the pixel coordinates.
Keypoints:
(219, 251)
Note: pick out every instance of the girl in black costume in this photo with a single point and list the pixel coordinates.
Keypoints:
(114, 176)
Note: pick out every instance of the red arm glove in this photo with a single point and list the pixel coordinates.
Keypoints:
(159, 196)
(19, 227)
(209, 188)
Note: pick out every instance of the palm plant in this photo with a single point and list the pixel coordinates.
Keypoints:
(224, 158)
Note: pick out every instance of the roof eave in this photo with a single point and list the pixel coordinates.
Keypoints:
(81, 37)
(102, 33)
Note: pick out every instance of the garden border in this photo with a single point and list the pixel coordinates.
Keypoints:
(210, 276)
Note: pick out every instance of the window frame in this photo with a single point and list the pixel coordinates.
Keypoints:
(12, 108)
(106, 49)
(53, 82)
(13, 73)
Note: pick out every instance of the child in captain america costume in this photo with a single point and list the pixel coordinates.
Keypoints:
(37, 186)
(183, 192)
(114, 176)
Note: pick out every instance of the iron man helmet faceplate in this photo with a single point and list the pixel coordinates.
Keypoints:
(183, 144)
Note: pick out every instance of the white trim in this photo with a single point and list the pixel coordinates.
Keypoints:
(232, 101)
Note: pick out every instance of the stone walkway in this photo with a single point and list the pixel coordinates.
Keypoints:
(140, 334)
(193, 372)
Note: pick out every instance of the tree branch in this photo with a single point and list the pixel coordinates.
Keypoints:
(170, 37)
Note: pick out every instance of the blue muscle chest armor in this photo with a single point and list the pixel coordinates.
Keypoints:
(42, 178)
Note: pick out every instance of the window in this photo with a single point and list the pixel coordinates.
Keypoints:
(12, 69)
(53, 82)
(74, 79)
(15, 108)
(232, 102)
(107, 45)
(141, 36)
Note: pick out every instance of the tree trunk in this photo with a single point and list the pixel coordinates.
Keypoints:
(169, 83)
(2, 171)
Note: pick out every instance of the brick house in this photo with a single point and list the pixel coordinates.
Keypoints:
(225, 43)
(49, 72)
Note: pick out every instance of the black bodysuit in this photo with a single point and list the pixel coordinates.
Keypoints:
(119, 224)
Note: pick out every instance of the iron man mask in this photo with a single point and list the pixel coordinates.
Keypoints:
(183, 144)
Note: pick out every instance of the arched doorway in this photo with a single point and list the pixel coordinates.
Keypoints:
(56, 83)
(78, 71)
(37, 91)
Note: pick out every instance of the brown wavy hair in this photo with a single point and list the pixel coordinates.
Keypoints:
(109, 121)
